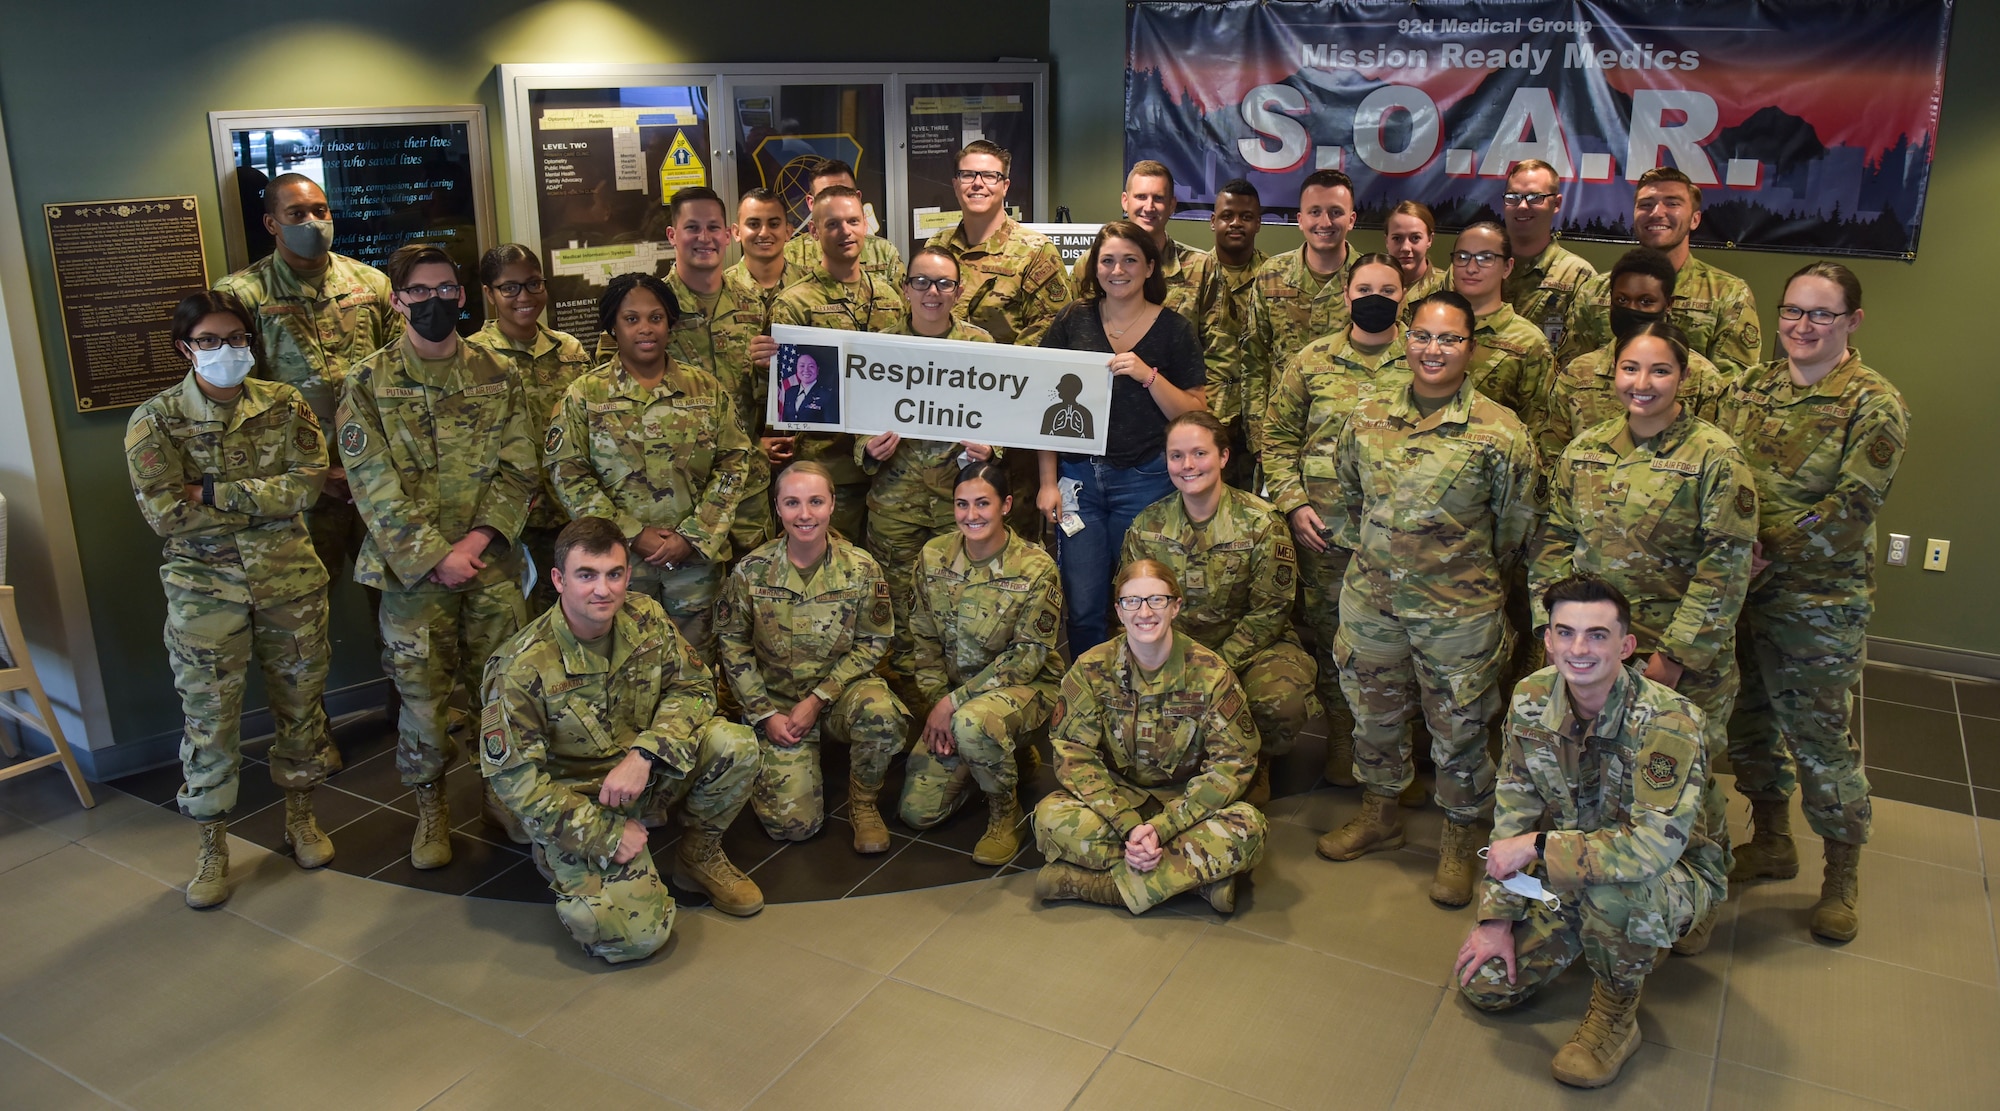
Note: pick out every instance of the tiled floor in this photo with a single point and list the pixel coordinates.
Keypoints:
(1326, 989)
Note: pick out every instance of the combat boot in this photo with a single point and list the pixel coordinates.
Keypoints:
(1340, 762)
(1027, 759)
(1259, 794)
(1378, 828)
(1059, 880)
(870, 835)
(1837, 915)
(1458, 865)
(1221, 895)
(499, 817)
(701, 864)
(1609, 1035)
(1002, 840)
(954, 790)
(1769, 854)
(1695, 942)
(430, 847)
(210, 885)
(310, 847)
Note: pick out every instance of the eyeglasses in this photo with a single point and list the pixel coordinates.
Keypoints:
(1482, 260)
(1817, 316)
(447, 291)
(923, 284)
(1447, 341)
(214, 343)
(1532, 200)
(1130, 603)
(984, 177)
(515, 289)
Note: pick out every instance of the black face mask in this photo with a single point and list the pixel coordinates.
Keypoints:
(434, 319)
(1375, 313)
(1625, 321)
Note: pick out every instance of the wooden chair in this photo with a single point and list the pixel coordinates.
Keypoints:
(21, 676)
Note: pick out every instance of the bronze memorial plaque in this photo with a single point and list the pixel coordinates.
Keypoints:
(121, 267)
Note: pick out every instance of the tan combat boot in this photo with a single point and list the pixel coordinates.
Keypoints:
(1221, 895)
(1695, 942)
(1340, 762)
(1458, 865)
(1002, 840)
(1837, 915)
(210, 885)
(954, 790)
(430, 847)
(1059, 880)
(870, 835)
(499, 817)
(1378, 828)
(1259, 794)
(1609, 1035)
(1769, 854)
(700, 863)
(310, 847)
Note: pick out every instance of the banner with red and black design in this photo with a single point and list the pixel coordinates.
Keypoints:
(1809, 124)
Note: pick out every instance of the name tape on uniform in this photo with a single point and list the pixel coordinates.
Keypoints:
(824, 380)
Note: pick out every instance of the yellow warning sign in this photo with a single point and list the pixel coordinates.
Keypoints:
(680, 168)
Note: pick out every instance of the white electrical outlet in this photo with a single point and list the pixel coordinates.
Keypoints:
(1936, 554)
(1899, 549)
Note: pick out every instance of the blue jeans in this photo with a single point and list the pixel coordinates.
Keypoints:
(1110, 498)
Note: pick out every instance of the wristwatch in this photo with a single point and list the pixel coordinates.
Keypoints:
(208, 489)
(1541, 843)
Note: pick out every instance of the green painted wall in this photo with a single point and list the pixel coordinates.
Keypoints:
(1924, 329)
(109, 100)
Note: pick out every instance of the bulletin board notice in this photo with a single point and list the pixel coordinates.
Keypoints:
(121, 268)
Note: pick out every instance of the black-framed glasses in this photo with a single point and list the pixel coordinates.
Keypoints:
(1532, 200)
(1482, 260)
(1448, 341)
(1817, 316)
(448, 290)
(515, 289)
(924, 284)
(1130, 603)
(984, 177)
(214, 343)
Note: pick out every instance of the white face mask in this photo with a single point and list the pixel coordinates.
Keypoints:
(226, 367)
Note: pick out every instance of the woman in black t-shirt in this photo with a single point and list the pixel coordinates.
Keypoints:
(1157, 374)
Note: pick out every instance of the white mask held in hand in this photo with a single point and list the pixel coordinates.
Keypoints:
(1528, 887)
(226, 367)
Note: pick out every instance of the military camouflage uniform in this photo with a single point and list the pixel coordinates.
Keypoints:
(1309, 406)
(559, 718)
(434, 451)
(1438, 278)
(1628, 855)
(719, 343)
(1542, 288)
(312, 333)
(1176, 750)
(786, 634)
(984, 636)
(670, 456)
(871, 305)
(1512, 364)
(910, 503)
(1239, 577)
(1254, 387)
(1714, 307)
(1823, 456)
(1290, 309)
(1585, 394)
(878, 257)
(1438, 509)
(1669, 523)
(1014, 285)
(545, 368)
(241, 578)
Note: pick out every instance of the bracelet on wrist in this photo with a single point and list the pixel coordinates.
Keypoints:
(1154, 378)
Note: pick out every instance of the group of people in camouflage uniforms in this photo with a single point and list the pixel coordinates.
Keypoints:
(1470, 470)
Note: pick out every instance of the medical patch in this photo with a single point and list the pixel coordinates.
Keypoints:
(1882, 451)
(1661, 771)
(306, 439)
(1062, 709)
(552, 443)
(152, 463)
(1746, 501)
(1046, 624)
(352, 438)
